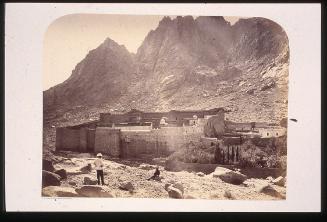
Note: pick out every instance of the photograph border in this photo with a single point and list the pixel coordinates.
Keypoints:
(322, 151)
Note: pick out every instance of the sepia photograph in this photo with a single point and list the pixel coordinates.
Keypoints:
(154, 106)
(162, 107)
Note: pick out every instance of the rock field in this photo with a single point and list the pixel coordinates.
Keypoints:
(133, 175)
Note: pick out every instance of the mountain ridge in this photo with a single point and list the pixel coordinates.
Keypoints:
(185, 63)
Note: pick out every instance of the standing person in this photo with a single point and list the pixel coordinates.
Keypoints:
(99, 168)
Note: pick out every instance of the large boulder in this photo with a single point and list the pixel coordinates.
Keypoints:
(47, 165)
(93, 191)
(62, 173)
(166, 186)
(229, 176)
(50, 179)
(57, 191)
(89, 181)
(86, 169)
(174, 193)
(174, 189)
(178, 186)
(280, 181)
(128, 186)
(269, 190)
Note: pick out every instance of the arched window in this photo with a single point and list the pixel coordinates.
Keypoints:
(267, 134)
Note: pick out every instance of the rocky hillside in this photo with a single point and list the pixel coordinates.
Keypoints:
(185, 63)
(101, 77)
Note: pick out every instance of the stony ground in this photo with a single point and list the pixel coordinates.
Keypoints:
(195, 186)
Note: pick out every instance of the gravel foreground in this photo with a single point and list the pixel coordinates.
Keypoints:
(195, 185)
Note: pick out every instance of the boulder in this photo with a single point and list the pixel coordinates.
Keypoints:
(269, 190)
(72, 183)
(167, 185)
(47, 165)
(128, 186)
(178, 186)
(57, 191)
(93, 191)
(89, 181)
(62, 173)
(86, 169)
(174, 193)
(50, 179)
(229, 176)
(229, 195)
(280, 181)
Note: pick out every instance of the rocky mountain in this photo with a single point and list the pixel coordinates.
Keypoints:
(185, 63)
(100, 77)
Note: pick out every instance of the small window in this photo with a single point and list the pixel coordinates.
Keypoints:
(276, 134)
(267, 134)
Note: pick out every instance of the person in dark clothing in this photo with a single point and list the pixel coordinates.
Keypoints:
(156, 174)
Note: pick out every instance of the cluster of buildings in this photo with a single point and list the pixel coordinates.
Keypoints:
(138, 134)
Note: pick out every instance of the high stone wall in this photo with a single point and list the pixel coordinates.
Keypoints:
(158, 142)
(118, 143)
(67, 139)
(107, 141)
(78, 140)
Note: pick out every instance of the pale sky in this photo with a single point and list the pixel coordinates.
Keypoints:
(69, 38)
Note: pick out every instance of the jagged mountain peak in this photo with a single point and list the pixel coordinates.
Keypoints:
(186, 62)
(218, 20)
(108, 43)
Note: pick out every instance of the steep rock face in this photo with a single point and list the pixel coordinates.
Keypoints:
(257, 39)
(205, 62)
(183, 43)
(99, 78)
(188, 63)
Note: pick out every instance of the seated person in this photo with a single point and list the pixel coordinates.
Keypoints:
(156, 174)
